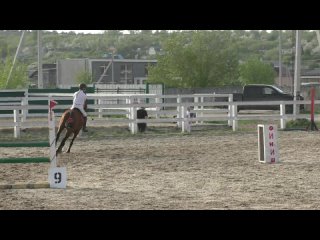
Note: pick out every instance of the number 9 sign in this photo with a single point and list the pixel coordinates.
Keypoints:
(58, 177)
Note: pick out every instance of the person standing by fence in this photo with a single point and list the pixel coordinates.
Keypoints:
(142, 114)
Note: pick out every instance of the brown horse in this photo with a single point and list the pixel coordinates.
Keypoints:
(73, 121)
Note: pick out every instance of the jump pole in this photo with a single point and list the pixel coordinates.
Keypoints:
(52, 135)
(313, 125)
(57, 176)
(267, 144)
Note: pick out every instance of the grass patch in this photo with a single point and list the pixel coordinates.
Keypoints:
(298, 123)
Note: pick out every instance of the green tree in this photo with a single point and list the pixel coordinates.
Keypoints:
(197, 59)
(255, 72)
(18, 78)
(83, 77)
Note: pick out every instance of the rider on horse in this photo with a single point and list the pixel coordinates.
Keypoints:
(79, 101)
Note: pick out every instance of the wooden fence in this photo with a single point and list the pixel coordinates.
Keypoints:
(122, 108)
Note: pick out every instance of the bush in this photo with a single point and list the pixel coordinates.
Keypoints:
(299, 123)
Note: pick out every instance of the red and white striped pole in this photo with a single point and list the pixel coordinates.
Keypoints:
(52, 133)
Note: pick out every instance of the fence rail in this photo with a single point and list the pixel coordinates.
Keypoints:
(204, 106)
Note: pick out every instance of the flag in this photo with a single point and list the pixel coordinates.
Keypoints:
(52, 104)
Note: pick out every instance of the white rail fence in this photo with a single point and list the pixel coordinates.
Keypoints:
(124, 107)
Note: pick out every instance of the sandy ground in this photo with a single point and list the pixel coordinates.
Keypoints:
(213, 169)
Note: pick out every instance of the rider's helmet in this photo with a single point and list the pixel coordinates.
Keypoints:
(82, 86)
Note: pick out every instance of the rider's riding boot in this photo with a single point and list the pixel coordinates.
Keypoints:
(85, 125)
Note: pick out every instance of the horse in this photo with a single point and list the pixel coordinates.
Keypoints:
(73, 121)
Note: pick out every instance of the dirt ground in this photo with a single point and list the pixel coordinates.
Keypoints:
(165, 169)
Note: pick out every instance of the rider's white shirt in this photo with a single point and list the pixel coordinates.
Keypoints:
(79, 99)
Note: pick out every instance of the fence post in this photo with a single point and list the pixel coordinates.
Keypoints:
(196, 100)
(100, 109)
(230, 100)
(234, 115)
(202, 107)
(179, 110)
(16, 120)
(128, 113)
(134, 118)
(283, 116)
(187, 119)
(157, 108)
(183, 119)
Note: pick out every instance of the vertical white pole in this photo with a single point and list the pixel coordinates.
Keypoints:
(157, 108)
(16, 120)
(179, 110)
(234, 115)
(134, 118)
(282, 114)
(40, 80)
(188, 120)
(130, 113)
(280, 58)
(230, 100)
(202, 107)
(100, 109)
(183, 117)
(196, 100)
(297, 67)
(52, 138)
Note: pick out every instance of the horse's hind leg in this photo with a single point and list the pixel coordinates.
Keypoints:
(59, 132)
(68, 133)
(74, 136)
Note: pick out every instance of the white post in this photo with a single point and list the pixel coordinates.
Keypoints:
(52, 138)
(128, 113)
(283, 116)
(129, 101)
(187, 121)
(16, 120)
(179, 110)
(196, 100)
(234, 115)
(230, 100)
(202, 107)
(183, 116)
(297, 76)
(134, 127)
(40, 76)
(100, 109)
(157, 108)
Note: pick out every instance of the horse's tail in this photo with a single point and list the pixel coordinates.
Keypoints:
(64, 118)
(69, 119)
